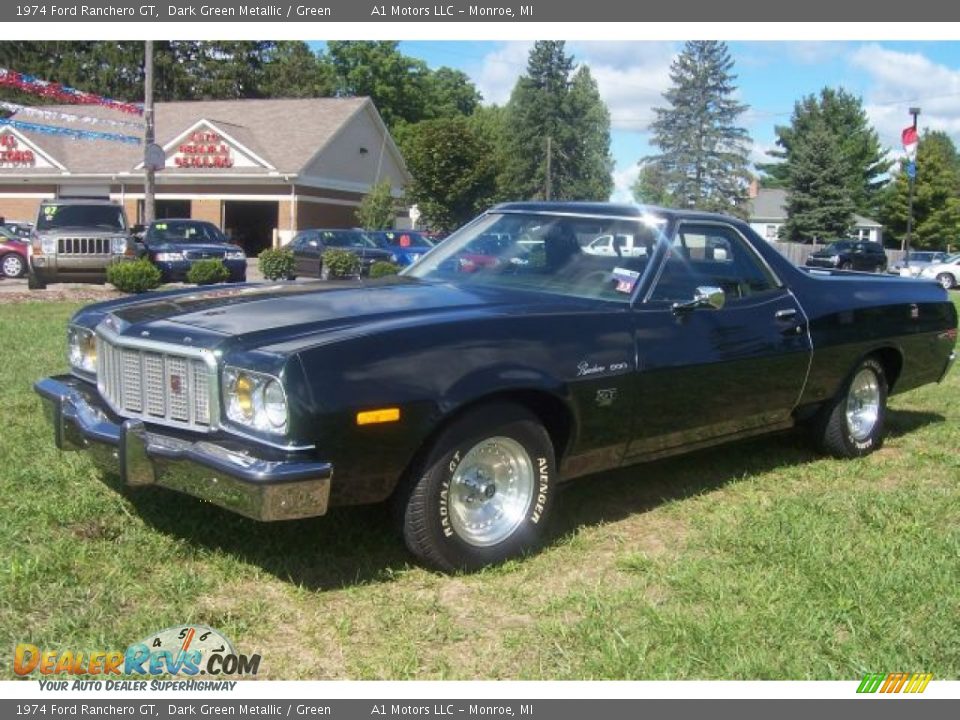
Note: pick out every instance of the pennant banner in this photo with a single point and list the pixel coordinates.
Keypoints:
(910, 140)
(62, 93)
(69, 132)
(65, 117)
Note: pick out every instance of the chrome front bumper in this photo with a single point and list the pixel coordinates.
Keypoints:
(282, 487)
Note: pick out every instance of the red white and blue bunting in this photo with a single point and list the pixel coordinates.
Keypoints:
(62, 93)
(69, 132)
(56, 115)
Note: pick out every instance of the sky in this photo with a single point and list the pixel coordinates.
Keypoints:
(890, 77)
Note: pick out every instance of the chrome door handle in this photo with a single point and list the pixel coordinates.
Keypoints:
(787, 314)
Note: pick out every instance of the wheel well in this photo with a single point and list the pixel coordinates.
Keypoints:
(892, 362)
(550, 410)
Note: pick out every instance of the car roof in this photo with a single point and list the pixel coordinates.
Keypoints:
(173, 220)
(607, 209)
(80, 201)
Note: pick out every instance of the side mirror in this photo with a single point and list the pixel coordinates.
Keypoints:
(705, 296)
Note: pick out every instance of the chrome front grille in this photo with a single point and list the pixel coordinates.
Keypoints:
(156, 385)
(83, 246)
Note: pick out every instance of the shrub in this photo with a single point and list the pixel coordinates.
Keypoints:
(276, 264)
(136, 276)
(339, 263)
(382, 268)
(207, 272)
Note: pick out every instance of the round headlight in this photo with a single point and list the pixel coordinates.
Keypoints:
(275, 404)
(82, 348)
(243, 395)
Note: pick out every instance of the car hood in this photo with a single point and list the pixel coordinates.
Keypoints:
(215, 248)
(284, 313)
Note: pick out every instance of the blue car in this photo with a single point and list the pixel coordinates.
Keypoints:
(174, 245)
(405, 246)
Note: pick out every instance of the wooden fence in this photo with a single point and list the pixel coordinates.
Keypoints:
(797, 253)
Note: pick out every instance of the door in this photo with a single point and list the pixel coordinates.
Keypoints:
(706, 373)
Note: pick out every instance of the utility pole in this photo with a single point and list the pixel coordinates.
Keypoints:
(912, 178)
(149, 179)
(548, 190)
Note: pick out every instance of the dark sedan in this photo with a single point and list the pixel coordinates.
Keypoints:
(308, 247)
(174, 245)
(850, 255)
(405, 246)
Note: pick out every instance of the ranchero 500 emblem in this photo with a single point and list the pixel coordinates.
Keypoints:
(176, 385)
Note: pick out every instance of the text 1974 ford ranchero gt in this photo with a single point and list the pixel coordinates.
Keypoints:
(464, 393)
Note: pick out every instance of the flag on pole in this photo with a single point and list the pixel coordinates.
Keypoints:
(910, 140)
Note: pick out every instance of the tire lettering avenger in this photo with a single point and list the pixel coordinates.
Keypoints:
(543, 477)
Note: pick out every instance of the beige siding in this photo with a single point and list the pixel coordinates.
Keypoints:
(19, 208)
(208, 210)
(343, 159)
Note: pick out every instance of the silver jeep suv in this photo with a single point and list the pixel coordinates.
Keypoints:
(77, 240)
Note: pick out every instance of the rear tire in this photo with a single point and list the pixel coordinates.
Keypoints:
(846, 266)
(484, 491)
(852, 424)
(946, 280)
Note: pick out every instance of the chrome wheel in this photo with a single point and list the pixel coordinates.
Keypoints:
(863, 404)
(490, 491)
(12, 266)
(946, 280)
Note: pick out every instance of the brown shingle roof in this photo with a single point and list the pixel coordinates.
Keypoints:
(285, 133)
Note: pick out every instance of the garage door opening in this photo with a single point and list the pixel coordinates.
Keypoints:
(250, 224)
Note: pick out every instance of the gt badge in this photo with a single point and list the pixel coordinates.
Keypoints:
(606, 396)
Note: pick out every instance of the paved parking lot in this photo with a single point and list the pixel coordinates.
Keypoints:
(89, 290)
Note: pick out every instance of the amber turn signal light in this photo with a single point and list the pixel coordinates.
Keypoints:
(383, 415)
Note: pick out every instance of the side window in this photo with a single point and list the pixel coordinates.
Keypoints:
(711, 255)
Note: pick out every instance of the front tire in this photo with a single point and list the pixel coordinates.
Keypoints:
(35, 283)
(484, 491)
(853, 424)
(12, 265)
(946, 280)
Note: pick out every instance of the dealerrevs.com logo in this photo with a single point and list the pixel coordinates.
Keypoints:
(185, 650)
(891, 683)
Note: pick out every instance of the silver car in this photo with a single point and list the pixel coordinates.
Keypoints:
(919, 259)
(946, 272)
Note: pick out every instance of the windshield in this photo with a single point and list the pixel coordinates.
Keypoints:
(184, 231)
(345, 239)
(839, 246)
(546, 253)
(104, 217)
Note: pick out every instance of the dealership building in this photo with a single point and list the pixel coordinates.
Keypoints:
(259, 169)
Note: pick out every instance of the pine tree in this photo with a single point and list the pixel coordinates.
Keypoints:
(377, 209)
(819, 205)
(845, 118)
(703, 152)
(554, 120)
(936, 202)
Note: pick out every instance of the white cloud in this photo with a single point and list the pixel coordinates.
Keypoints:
(900, 80)
(631, 76)
(623, 179)
(499, 71)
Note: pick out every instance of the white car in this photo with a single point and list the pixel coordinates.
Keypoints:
(946, 272)
(619, 246)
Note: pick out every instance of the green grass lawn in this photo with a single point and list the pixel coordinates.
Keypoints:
(758, 560)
